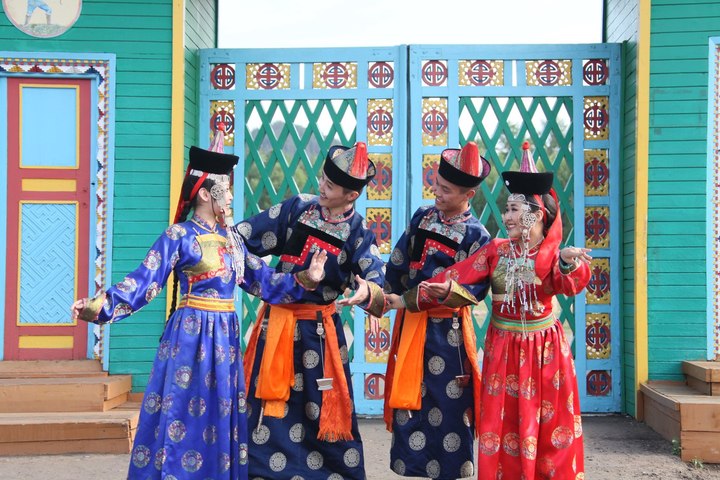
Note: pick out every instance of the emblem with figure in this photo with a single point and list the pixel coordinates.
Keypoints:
(43, 18)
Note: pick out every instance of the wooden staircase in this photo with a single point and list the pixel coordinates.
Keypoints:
(687, 411)
(52, 407)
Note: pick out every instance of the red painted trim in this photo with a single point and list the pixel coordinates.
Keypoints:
(15, 175)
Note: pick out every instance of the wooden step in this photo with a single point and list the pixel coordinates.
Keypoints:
(64, 394)
(678, 412)
(703, 376)
(59, 433)
(50, 368)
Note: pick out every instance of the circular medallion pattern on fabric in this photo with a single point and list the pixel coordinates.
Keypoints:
(128, 284)
(297, 433)
(512, 385)
(578, 426)
(454, 338)
(141, 456)
(210, 434)
(398, 467)
(224, 462)
(453, 390)
(401, 416)
(299, 382)
(562, 437)
(210, 380)
(243, 451)
(277, 462)
(432, 469)
(314, 460)
(312, 410)
(351, 457)
(344, 357)
(529, 447)
(176, 431)
(152, 260)
(152, 403)
(467, 469)
(160, 457)
(192, 324)
(451, 442)
(489, 443)
(197, 406)
(435, 416)
(261, 435)
(546, 467)
(167, 402)
(183, 376)
(528, 388)
(436, 365)
(511, 444)
(311, 359)
(191, 461)
(417, 441)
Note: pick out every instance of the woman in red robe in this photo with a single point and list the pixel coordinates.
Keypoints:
(529, 426)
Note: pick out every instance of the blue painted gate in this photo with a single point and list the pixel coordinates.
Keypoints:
(284, 108)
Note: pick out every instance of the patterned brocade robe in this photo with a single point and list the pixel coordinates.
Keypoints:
(193, 420)
(530, 423)
(437, 441)
(289, 447)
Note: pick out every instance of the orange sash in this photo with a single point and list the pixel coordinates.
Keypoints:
(404, 376)
(277, 375)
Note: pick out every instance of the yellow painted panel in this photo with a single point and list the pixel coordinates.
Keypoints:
(40, 341)
(49, 185)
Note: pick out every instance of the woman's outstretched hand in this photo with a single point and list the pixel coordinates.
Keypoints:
(575, 254)
(78, 307)
(316, 270)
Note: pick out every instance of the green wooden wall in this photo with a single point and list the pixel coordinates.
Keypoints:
(134, 341)
(621, 18)
(139, 33)
(677, 303)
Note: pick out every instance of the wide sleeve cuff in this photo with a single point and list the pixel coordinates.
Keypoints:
(566, 268)
(376, 302)
(459, 296)
(303, 278)
(92, 308)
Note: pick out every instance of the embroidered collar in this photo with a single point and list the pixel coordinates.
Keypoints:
(204, 225)
(460, 217)
(343, 217)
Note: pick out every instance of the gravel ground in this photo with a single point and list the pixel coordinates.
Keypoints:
(616, 448)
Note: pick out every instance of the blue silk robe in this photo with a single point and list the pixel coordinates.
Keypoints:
(437, 442)
(193, 422)
(288, 447)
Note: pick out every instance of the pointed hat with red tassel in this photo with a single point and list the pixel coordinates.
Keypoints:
(349, 167)
(464, 167)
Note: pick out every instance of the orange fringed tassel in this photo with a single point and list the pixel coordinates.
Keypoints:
(336, 410)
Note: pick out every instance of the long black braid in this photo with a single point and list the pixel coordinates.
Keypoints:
(188, 206)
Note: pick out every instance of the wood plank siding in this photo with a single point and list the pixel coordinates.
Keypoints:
(621, 18)
(140, 34)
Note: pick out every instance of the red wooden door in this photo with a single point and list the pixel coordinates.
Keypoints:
(48, 216)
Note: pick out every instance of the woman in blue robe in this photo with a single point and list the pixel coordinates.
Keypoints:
(193, 421)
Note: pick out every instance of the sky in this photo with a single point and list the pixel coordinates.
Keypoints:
(368, 23)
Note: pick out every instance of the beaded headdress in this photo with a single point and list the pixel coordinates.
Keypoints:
(527, 186)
